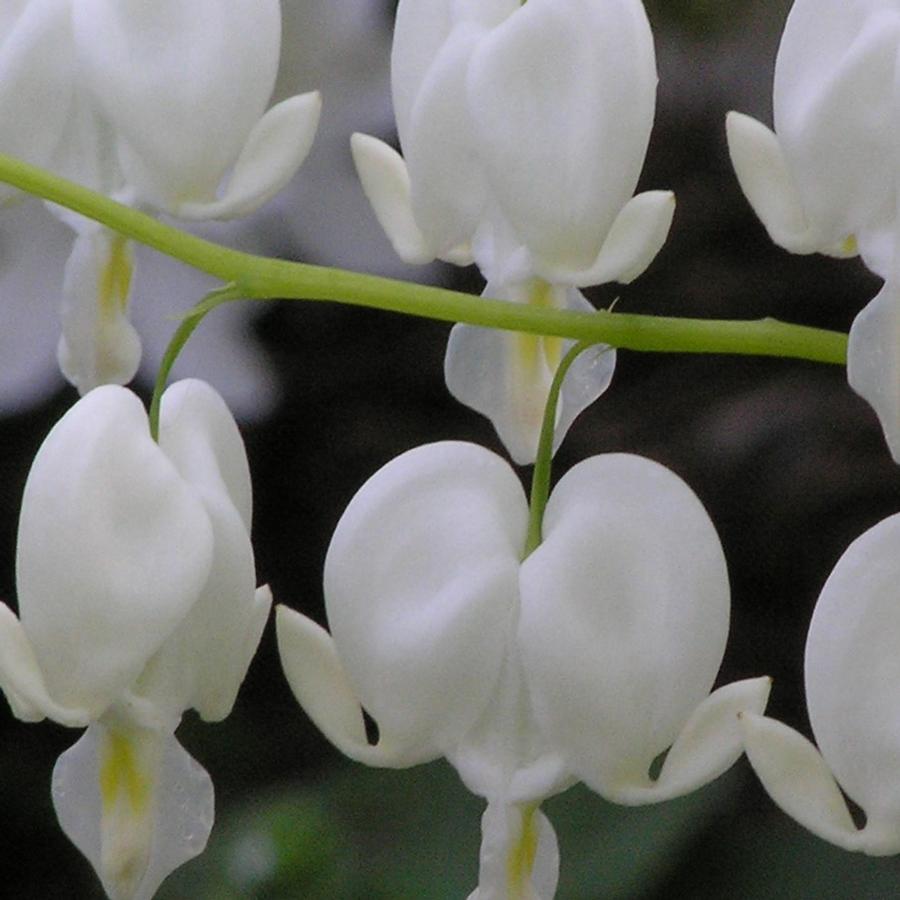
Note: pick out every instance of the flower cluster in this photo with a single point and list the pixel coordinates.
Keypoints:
(78, 72)
(575, 636)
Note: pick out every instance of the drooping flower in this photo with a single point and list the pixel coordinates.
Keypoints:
(851, 671)
(584, 662)
(824, 181)
(524, 129)
(152, 105)
(136, 599)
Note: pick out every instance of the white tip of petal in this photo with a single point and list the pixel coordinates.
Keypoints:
(319, 683)
(873, 361)
(385, 181)
(763, 174)
(275, 149)
(710, 741)
(635, 237)
(135, 804)
(798, 779)
(22, 681)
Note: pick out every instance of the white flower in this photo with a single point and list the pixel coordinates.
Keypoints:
(825, 181)
(155, 104)
(136, 599)
(852, 671)
(524, 128)
(584, 662)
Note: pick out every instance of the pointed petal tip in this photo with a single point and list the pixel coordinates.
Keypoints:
(385, 181)
(799, 780)
(273, 152)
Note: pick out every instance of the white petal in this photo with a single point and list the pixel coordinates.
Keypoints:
(421, 587)
(562, 95)
(37, 72)
(763, 174)
(505, 757)
(204, 662)
(21, 678)
(421, 29)
(113, 550)
(385, 181)
(199, 434)
(275, 149)
(320, 684)
(636, 236)
(839, 148)
(135, 804)
(519, 857)
(624, 616)
(852, 668)
(873, 360)
(213, 66)
(709, 743)
(798, 779)
(449, 193)
(98, 344)
(507, 376)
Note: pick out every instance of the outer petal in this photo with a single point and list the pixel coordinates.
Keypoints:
(852, 667)
(519, 855)
(98, 344)
(798, 780)
(421, 589)
(562, 95)
(635, 237)
(275, 149)
(421, 28)
(385, 180)
(624, 616)
(135, 804)
(873, 360)
(709, 743)
(507, 376)
(21, 678)
(213, 66)
(766, 181)
(840, 150)
(37, 67)
(449, 191)
(113, 550)
(320, 684)
(204, 662)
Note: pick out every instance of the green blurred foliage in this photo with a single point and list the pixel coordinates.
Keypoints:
(367, 834)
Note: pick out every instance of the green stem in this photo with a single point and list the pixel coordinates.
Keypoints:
(179, 339)
(540, 478)
(261, 278)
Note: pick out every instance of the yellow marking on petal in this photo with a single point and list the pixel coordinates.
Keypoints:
(121, 775)
(529, 346)
(520, 862)
(115, 281)
(850, 246)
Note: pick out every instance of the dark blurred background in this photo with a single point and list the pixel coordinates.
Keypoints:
(789, 462)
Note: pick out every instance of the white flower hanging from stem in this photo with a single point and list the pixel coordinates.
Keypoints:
(136, 595)
(524, 130)
(585, 660)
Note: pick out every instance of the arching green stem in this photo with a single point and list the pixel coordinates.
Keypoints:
(261, 278)
(540, 477)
